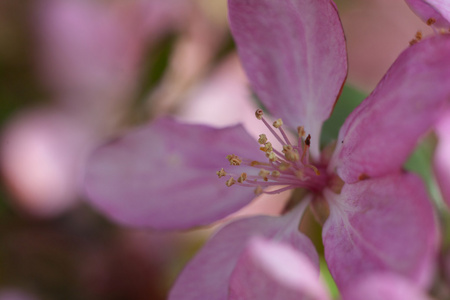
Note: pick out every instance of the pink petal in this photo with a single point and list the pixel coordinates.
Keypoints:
(378, 136)
(436, 9)
(384, 286)
(207, 275)
(294, 55)
(384, 224)
(268, 270)
(443, 7)
(442, 157)
(164, 175)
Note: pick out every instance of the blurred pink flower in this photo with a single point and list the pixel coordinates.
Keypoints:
(88, 49)
(89, 57)
(41, 156)
(269, 270)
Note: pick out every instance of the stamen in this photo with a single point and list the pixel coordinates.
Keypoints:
(264, 173)
(259, 113)
(292, 155)
(221, 173)
(242, 178)
(267, 147)
(417, 38)
(301, 131)
(262, 139)
(287, 168)
(305, 154)
(284, 136)
(418, 35)
(234, 160)
(287, 148)
(308, 140)
(278, 123)
(431, 21)
(271, 156)
(230, 182)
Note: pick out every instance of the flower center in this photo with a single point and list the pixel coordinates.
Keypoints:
(288, 168)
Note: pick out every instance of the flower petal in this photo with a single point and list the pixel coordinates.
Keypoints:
(379, 134)
(268, 270)
(442, 158)
(295, 57)
(384, 224)
(383, 286)
(439, 10)
(163, 176)
(208, 274)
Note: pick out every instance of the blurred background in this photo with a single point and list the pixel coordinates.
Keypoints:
(75, 73)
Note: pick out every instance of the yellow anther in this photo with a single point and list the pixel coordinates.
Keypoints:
(234, 160)
(431, 21)
(262, 139)
(314, 168)
(284, 166)
(230, 182)
(258, 190)
(271, 156)
(264, 173)
(259, 114)
(287, 148)
(276, 174)
(292, 155)
(301, 131)
(419, 35)
(267, 147)
(278, 123)
(242, 178)
(416, 39)
(221, 173)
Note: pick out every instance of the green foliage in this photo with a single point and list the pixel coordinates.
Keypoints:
(348, 101)
(329, 281)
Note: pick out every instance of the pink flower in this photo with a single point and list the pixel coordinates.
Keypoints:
(268, 270)
(380, 218)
